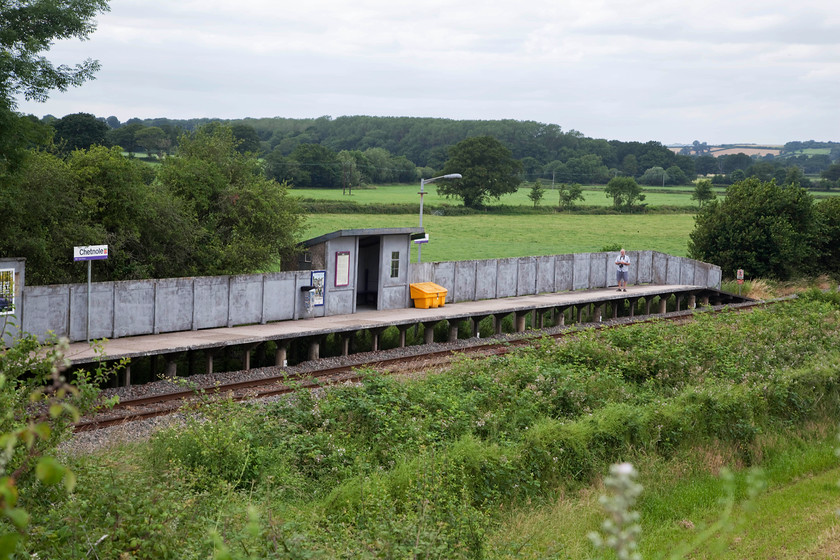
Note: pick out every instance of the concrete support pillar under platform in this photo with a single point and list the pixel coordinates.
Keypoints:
(579, 314)
(402, 329)
(633, 302)
(453, 331)
(598, 313)
(429, 332)
(280, 353)
(128, 375)
(314, 349)
(208, 361)
(679, 302)
(345, 343)
(648, 301)
(561, 317)
(171, 365)
(663, 304)
(704, 300)
(615, 305)
(375, 337)
(246, 356)
(497, 322)
(520, 320)
(692, 301)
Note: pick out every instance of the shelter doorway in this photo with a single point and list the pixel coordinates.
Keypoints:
(367, 277)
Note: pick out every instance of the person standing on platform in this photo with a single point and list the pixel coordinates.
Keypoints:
(622, 265)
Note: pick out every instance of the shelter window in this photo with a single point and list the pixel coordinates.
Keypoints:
(395, 264)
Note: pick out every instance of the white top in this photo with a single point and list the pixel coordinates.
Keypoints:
(622, 262)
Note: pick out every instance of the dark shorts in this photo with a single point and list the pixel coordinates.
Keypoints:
(620, 275)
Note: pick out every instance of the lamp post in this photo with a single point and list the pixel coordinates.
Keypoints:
(424, 182)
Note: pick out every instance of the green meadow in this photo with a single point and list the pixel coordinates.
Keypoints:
(501, 236)
(518, 231)
(408, 194)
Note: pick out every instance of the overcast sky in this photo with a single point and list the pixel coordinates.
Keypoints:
(669, 70)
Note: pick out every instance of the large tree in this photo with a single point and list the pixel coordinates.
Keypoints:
(625, 192)
(249, 221)
(79, 131)
(27, 29)
(320, 166)
(761, 227)
(488, 171)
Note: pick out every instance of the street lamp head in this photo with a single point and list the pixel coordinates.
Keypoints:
(452, 176)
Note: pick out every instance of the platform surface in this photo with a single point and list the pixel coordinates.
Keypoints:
(171, 342)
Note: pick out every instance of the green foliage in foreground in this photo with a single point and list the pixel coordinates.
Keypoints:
(425, 467)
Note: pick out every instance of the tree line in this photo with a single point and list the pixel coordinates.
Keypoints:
(357, 150)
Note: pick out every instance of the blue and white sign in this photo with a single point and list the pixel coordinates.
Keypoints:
(90, 253)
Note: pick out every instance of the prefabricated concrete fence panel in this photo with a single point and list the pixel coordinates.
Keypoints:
(507, 276)
(464, 281)
(444, 276)
(660, 268)
(580, 280)
(174, 305)
(134, 308)
(714, 277)
(687, 267)
(486, 272)
(598, 270)
(246, 292)
(564, 273)
(608, 268)
(46, 308)
(101, 311)
(673, 268)
(701, 274)
(211, 302)
(526, 282)
(644, 267)
(545, 275)
(278, 293)
(420, 272)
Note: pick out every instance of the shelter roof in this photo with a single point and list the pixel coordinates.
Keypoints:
(365, 232)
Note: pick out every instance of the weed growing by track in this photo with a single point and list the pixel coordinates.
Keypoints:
(433, 467)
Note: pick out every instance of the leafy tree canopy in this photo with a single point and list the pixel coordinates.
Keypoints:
(79, 131)
(488, 171)
(625, 192)
(248, 221)
(27, 29)
(761, 227)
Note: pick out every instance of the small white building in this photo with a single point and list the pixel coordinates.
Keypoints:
(362, 268)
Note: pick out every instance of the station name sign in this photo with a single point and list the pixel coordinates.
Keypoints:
(90, 253)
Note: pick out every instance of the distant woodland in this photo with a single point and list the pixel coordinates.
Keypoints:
(354, 150)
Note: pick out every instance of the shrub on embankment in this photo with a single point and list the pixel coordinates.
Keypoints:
(390, 468)
(554, 413)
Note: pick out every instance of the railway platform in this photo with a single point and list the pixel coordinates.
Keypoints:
(564, 307)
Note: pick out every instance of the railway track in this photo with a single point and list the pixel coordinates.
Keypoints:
(140, 408)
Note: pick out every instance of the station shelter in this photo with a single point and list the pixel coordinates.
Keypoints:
(359, 269)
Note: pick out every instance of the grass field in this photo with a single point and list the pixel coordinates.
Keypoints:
(494, 236)
(408, 194)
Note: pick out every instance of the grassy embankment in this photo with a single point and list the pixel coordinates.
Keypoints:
(497, 459)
